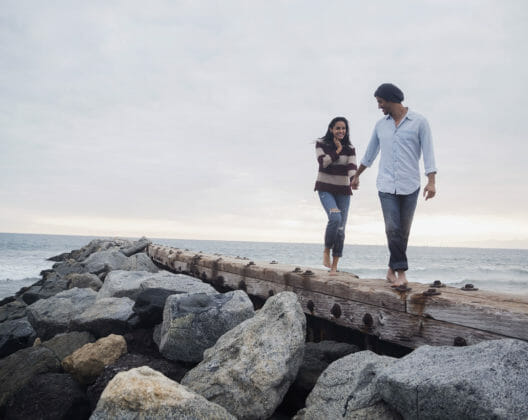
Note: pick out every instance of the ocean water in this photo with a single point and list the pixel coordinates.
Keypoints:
(24, 256)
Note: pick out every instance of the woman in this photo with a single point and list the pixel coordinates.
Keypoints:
(337, 166)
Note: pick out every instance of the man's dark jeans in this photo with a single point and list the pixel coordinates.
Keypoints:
(398, 212)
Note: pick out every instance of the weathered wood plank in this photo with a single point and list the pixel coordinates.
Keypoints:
(368, 305)
(497, 316)
(394, 326)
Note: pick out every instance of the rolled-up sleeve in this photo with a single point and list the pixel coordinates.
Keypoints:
(372, 150)
(426, 141)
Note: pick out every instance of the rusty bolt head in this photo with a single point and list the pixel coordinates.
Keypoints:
(336, 310)
(368, 320)
(310, 305)
(459, 342)
(431, 292)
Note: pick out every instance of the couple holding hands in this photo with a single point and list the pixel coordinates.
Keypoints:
(400, 138)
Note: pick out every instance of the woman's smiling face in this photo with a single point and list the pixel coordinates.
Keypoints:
(339, 130)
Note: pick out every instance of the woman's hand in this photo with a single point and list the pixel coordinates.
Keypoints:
(338, 145)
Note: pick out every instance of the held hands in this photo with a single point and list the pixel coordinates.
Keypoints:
(354, 184)
(429, 191)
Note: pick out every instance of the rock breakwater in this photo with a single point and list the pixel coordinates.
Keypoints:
(106, 334)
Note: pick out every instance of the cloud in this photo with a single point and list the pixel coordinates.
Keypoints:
(198, 111)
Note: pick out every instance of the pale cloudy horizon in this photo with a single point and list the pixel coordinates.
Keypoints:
(196, 120)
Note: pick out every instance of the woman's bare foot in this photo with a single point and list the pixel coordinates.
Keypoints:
(326, 258)
(391, 276)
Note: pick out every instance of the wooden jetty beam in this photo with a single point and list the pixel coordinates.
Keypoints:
(369, 305)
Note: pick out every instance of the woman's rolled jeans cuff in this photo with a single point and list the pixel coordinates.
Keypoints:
(335, 228)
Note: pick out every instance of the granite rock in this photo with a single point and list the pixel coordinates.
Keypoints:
(145, 393)
(64, 344)
(85, 280)
(485, 381)
(193, 322)
(49, 396)
(15, 334)
(171, 370)
(178, 283)
(139, 246)
(106, 316)
(13, 309)
(17, 369)
(348, 385)
(149, 305)
(52, 316)
(88, 362)
(250, 368)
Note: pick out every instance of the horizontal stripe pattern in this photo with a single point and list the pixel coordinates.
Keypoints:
(335, 171)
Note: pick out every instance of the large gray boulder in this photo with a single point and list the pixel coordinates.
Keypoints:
(140, 245)
(251, 367)
(45, 288)
(106, 316)
(111, 260)
(488, 380)
(13, 310)
(15, 335)
(17, 369)
(49, 396)
(150, 304)
(144, 393)
(96, 245)
(346, 386)
(53, 315)
(62, 345)
(171, 370)
(105, 261)
(141, 262)
(177, 283)
(122, 283)
(84, 280)
(193, 322)
(317, 357)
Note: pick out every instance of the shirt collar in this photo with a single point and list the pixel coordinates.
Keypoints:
(409, 115)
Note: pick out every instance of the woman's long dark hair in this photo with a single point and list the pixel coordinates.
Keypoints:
(329, 137)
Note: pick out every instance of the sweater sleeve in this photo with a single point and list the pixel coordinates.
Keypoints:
(323, 158)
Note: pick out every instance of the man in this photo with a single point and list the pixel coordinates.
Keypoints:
(401, 136)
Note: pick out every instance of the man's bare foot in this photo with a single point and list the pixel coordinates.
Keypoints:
(391, 276)
(326, 258)
(402, 278)
(333, 269)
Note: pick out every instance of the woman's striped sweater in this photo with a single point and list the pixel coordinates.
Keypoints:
(335, 171)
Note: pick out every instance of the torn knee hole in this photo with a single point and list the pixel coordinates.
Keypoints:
(335, 211)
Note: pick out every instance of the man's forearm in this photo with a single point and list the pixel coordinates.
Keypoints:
(360, 170)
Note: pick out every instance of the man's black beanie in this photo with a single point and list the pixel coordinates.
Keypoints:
(389, 92)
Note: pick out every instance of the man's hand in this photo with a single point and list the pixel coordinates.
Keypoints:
(354, 184)
(429, 191)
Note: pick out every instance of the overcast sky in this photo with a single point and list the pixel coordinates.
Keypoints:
(197, 119)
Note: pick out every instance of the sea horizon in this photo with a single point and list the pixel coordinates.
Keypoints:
(454, 246)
